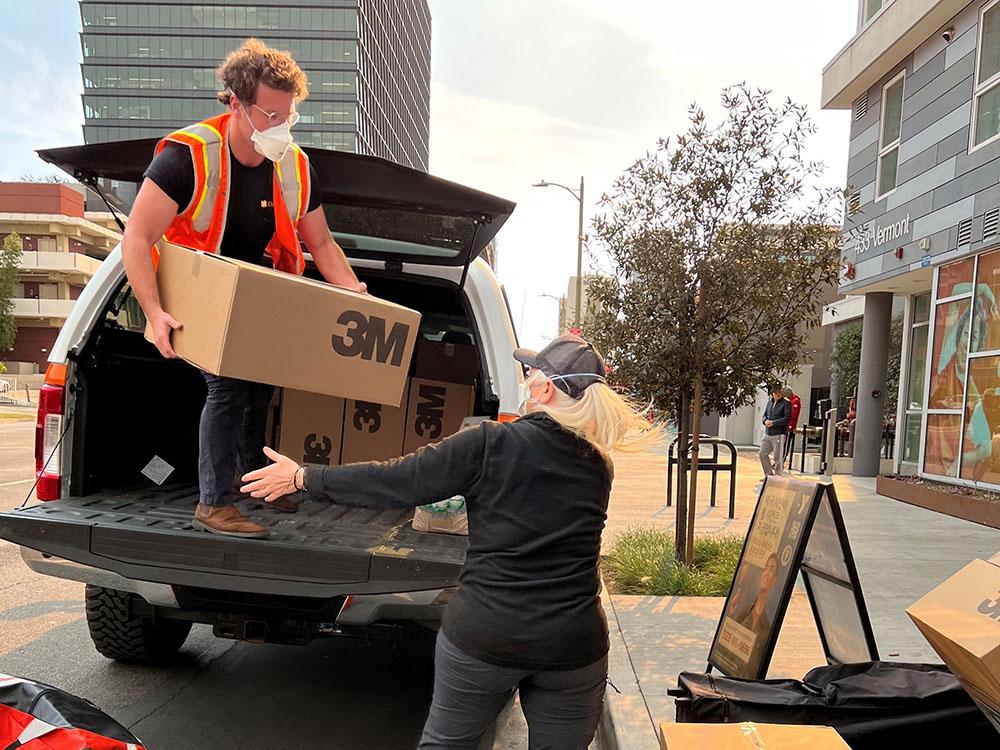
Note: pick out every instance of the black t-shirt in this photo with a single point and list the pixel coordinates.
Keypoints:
(250, 221)
(537, 497)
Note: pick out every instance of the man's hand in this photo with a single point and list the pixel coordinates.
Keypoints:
(358, 286)
(163, 324)
(274, 481)
(768, 423)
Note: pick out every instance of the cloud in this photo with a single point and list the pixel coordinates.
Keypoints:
(41, 107)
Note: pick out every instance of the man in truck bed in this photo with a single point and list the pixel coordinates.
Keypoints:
(234, 184)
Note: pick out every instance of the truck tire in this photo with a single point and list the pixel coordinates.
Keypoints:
(119, 635)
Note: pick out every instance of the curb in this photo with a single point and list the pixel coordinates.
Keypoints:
(625, 722)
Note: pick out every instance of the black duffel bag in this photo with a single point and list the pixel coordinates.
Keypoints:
(873, 705)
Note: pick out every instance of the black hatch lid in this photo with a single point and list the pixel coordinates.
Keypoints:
(376, 208)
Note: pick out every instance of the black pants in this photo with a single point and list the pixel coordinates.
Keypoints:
(562, 708)
(231, 436)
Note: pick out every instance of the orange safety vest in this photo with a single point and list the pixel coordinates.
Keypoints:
(201, 224)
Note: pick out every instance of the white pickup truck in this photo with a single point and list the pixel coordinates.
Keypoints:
(111, 403)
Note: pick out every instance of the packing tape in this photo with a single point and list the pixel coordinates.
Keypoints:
(750, 735)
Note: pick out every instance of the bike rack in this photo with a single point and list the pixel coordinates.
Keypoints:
(713, 465)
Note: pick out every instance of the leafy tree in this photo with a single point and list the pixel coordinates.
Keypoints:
(719, 246)
(10, 259)
(845, 365)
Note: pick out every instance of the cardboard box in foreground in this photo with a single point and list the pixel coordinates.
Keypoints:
(254, 323)
(749, 736)
(961, 620)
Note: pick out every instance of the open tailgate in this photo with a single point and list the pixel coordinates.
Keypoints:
(322, 551)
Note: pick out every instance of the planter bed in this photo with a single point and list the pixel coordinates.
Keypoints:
(967, 503)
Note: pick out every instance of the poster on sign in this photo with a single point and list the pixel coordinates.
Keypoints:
(784, 538)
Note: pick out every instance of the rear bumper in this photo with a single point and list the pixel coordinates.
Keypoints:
(426, 607)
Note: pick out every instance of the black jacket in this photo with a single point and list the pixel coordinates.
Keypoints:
(537, 498)
(780, 412)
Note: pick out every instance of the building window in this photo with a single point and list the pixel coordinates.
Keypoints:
(888, 145)
(916, 376)
(872, 8)
(986, 110)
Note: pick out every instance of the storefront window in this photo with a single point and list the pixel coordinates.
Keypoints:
(941, 451)
(982, 421)
(918, 367)
(922, 308)
(955, 278)
(911, 438)
(986, 329)
(951, 329)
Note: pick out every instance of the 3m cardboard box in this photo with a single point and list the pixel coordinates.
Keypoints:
(434, 410)
(254, 323)
(438, 360)
(372, 432)
(961, 620)
(749, 736)
(312, 427)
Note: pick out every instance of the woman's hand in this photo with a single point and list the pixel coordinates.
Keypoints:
(274, 481)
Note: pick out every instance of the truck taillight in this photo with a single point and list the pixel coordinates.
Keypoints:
(48, 430)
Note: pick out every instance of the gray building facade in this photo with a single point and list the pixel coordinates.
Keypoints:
(922, 220)
(149, 67)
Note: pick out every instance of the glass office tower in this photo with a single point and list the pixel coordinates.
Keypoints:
(149, 68)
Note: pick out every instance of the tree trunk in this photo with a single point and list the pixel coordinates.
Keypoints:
(693, 501)
(680, 536)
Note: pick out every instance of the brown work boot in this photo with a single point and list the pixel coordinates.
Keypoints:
(285, 504)
(227, 520)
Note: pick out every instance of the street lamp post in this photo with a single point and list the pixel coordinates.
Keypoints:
(579, 242)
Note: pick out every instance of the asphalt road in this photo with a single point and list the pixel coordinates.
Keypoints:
(219, 694)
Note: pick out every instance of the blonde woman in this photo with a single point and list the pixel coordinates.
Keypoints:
(527, 614)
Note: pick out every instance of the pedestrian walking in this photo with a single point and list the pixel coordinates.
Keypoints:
(776, 417)
(527, 614)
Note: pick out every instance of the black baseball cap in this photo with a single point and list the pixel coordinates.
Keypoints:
(569, 361)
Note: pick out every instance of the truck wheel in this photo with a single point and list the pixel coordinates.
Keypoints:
(119, 635)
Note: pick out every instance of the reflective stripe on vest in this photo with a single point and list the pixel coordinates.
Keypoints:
(208, 170)
(201, 224)
(289, 171)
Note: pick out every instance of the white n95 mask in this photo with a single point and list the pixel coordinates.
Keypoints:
(273, 142)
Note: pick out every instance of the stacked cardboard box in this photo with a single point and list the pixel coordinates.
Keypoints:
(329, 430)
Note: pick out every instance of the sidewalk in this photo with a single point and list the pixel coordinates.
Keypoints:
(901, 551)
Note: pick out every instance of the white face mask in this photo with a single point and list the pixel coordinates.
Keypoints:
(539, 377)
(526, 400)
(273, 142)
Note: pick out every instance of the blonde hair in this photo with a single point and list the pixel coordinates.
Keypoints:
(602, 417)
(254, 62)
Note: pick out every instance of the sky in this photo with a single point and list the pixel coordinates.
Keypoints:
(521, 90)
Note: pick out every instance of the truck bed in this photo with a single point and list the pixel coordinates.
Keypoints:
(323, 550)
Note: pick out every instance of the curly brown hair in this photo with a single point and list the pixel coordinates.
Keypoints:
(254, 62)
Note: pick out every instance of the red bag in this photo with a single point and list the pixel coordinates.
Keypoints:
(35, 716)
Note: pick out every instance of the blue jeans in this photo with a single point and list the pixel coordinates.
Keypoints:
(230, 436)
(562, 708)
